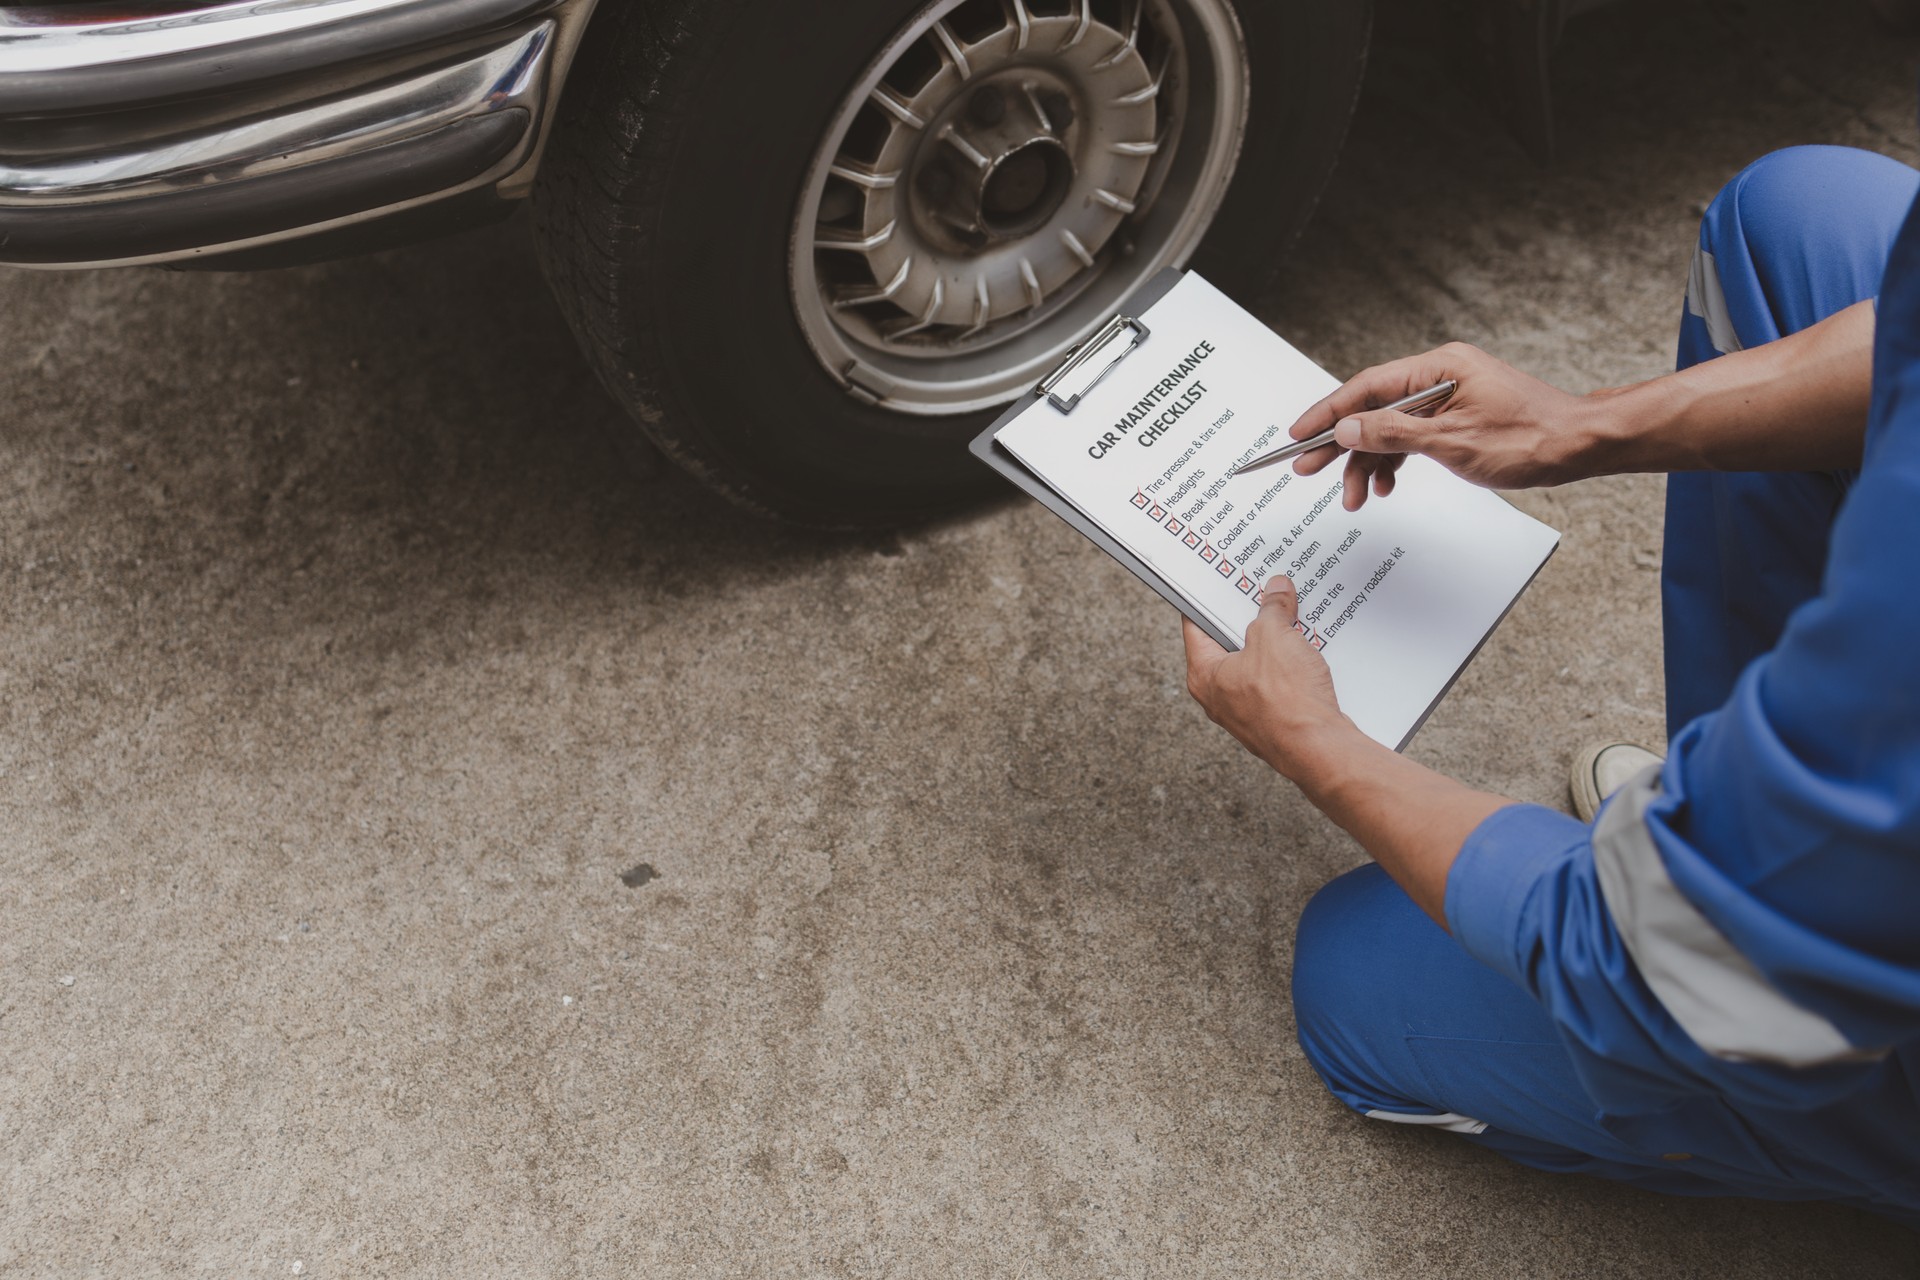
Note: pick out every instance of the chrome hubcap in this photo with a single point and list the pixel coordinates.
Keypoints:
(1004, 173)
(997, 163)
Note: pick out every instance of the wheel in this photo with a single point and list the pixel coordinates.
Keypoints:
(813, 248)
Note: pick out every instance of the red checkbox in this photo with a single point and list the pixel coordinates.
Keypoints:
(1140, 501)
(1245, 584)
(1158, 513)
(1224, 568)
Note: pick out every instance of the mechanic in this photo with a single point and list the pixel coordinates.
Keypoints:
(1713, 989)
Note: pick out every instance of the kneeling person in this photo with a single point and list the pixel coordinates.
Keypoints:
(1711, 986)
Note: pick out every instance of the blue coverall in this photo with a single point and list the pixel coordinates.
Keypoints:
(1715, 989)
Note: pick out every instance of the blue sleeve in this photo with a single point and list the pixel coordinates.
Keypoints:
(1523, 897)
(1501, 882)
(1790, 817)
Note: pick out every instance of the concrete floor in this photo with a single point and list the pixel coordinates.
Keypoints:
(342, 676)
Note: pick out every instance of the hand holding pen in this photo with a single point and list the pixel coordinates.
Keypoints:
(1496, 427)
(1420, 401)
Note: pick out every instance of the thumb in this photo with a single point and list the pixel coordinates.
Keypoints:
(1381, 431)
(1279, 601)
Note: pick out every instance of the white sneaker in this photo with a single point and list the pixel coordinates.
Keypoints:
(1601, 769)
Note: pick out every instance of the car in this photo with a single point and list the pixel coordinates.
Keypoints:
(809, 248)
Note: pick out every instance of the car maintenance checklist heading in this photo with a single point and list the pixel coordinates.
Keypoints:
(1398, 596)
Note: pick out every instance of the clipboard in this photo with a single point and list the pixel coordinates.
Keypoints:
(1063, 387)
(1088, 355)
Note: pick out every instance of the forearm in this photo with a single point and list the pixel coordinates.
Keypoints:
(1798, 404)
(1411, 819)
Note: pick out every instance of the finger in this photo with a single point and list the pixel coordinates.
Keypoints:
(1203, 652)
(1384, 431)
(1385, 475)
(1382, 384)
(1353, 481)
(1317, 460)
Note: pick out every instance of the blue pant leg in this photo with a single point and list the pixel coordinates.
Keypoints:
(1406, 1027)
(1797, 236)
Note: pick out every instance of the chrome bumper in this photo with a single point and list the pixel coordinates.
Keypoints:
(237, 125)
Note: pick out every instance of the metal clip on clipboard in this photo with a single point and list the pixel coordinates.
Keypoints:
(1105, 336)
(996, 455)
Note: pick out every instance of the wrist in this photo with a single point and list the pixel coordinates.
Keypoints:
(1629, 429)
(1319, 756)
(1605, 436)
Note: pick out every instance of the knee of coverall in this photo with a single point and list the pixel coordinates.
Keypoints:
(1336, 967)
(1794, 237)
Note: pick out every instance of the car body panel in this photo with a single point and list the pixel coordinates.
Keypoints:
(200, 133)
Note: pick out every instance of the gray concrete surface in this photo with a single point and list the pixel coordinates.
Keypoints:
(341, 676)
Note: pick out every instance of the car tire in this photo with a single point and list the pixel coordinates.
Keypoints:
(665, 215)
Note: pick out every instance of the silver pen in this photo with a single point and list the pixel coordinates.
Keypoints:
(1432, 398)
